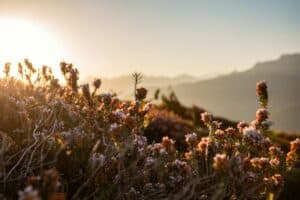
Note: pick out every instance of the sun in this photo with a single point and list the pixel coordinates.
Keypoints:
(21, 39)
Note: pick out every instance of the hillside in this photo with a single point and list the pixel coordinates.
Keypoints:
(121, 84)
(283, 77)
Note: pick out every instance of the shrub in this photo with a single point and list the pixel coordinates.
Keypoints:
(64, 141)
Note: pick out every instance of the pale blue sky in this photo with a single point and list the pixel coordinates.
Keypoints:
(165, 37)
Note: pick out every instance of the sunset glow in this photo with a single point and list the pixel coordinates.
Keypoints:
(21, 39)
(149, 99)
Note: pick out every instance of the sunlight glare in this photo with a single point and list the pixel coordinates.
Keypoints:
(21, 39)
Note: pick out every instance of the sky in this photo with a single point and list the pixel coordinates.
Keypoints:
(155, 37)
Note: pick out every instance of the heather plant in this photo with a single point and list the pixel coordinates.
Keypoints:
(68, 141)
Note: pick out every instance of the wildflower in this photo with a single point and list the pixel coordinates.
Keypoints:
(219, 133)
(290, 158)
(116, 102)
(241, 125)
(229, 147)
(71, 75)
(260, 163)
(203, 144)
(255, 124)
(141, 141)
(275, 162)
(147, 107)
(7, 69)
(215, 125)
(188, 155)
(29, 65)
(29, 194)
(277, 180)
(106, 98)
(293, 154)
(130, 121)
(261, 88)
(262, 92)
(114, 126)
(134, 107)
(247, 163)
(252, 136)
(206, 117)
(295, 145)
(255, 162)
(157, 149)
(221, 162)
(263, 162)
(168, 143)
(97, 83)
(230, 131)
(238, 160)
(178, 163)
(97, 160)
(20, 69)
(119, 114)
(191, 139)
(163, 151)
(180, 166)
(267, 181)
(262, 114)
(266, 143)
(115, 130)
(141, 93)
(275, 151)
(251, 176)
(63, 67)
(150, 161)
(86, 92)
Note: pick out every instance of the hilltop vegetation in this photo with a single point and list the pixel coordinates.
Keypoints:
(74, 142)
(234, 90)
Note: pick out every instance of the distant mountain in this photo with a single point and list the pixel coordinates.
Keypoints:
(233, 95)
(123, 85)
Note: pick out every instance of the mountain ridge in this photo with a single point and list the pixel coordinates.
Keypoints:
(232, 90)
(230, 95)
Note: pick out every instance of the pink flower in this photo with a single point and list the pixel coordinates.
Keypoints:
(275, 162)
(206, 117)
(221, 162)
(203, 144)
(262, 114)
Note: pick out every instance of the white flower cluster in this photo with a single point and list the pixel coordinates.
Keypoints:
(120, 114)
(29, 193)
(97, 160)
(252, 136)
(191, 139)
(141, 141)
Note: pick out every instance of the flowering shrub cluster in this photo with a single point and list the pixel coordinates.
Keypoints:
(70, 141)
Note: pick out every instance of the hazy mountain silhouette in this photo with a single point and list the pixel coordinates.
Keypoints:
(233, 95)
(123, 85)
